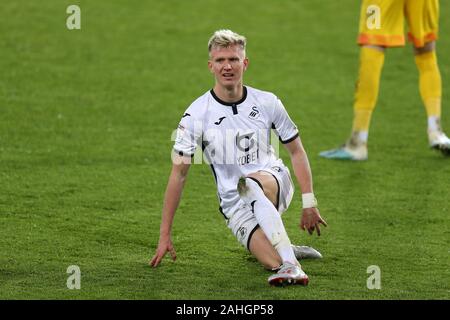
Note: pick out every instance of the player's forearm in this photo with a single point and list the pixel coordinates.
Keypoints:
(302, 170)
(171, 201)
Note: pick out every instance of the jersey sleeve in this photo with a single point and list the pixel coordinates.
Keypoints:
(188, 135)
(284, 127)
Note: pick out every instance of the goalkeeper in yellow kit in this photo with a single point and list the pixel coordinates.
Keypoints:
(381, 27)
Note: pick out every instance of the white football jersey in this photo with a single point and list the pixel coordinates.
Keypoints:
(235, 138)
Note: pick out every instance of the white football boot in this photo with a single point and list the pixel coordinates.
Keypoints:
(304, 252)
(439, 141)
(353, 149)
(289, 274)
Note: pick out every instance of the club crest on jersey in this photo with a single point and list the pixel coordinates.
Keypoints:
(254, 114)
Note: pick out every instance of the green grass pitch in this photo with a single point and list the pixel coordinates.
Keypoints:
(86, 118)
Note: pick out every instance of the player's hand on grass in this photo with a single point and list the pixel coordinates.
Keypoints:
(311, 220)
(165, 245)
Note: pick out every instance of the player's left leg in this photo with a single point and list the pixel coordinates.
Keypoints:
(431, 91)
(423, 22)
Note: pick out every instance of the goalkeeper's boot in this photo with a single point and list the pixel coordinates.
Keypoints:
(353, 149)
(304, 252)
(289, 274)
(439, 141)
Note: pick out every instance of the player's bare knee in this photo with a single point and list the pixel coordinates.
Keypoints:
(267, 183)
(242, 186)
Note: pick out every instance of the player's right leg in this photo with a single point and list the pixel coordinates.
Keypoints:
(269, 243)
(287, 273)
(247, 230)
(381, 26)
(277, 186)
(366, 94)
(261, 248)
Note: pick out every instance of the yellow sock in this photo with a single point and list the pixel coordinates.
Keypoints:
(430, 83)
(370, 65)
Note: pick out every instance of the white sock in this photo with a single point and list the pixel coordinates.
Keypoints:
(363, 136)
(434, 123)
(269, 220)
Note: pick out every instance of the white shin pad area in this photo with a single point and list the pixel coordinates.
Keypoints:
(269, 220)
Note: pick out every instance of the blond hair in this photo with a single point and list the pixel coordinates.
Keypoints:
(225, 38)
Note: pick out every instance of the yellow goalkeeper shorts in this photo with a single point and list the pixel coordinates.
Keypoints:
(382, 22)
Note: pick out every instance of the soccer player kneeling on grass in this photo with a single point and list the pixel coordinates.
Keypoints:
(232, 123)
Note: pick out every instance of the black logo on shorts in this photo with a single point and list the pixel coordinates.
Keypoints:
(185, 115)
(242, 231)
